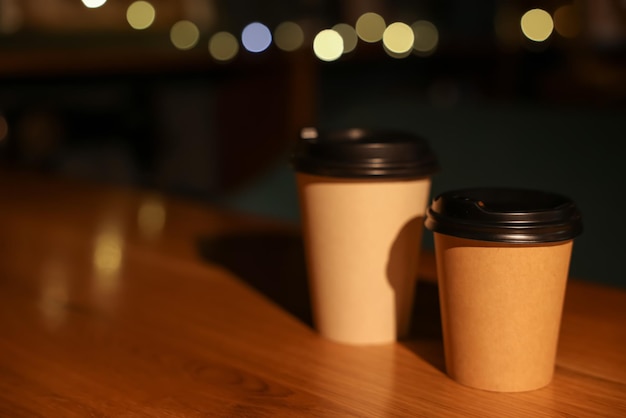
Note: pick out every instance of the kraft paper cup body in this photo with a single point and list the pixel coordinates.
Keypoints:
(363, 197)
(362, 241)
(501, 296)
(501, 311)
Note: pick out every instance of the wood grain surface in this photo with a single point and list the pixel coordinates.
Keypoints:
(125, 303)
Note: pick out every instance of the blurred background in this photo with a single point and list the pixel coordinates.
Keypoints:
(205, 98)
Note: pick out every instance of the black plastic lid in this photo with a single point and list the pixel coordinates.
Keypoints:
(505, 215)
(358, 153)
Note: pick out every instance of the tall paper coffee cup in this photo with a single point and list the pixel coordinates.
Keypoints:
(363, 204)
(503, 258)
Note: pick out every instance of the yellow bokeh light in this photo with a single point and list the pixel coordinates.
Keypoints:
(288, 36)
(184, 34)
(567, 21)
(348, 34)
(370, 27)
(426, 37)
(107, 256)
(93, 4)
(140, 15)
(398, 38)
(223, 46)
(537, 25)
(328, 45)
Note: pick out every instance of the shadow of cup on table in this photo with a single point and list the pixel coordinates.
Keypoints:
(272, 263)
(420, 328)
(425, 337)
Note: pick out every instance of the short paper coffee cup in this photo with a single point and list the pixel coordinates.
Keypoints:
(503, 259)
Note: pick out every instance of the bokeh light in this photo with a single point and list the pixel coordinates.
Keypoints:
(398, 38)
(223, 46)
(328, 45)
(108, 250)
(426, 37)
(140, 15)
(537, 25)
(184, 34)
(93, 4)
(288, 36)
(348, 34)
(256, 37)
(370, 27)
(567, 21)
(151, 217)
(108, 255)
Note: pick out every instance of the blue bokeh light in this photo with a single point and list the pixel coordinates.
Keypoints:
(256, 37)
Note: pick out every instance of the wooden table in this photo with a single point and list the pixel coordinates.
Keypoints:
(118, 303)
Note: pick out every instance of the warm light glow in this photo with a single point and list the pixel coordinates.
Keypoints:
(107, 261)
(370, 27)
(288, 36)
(348, 34)
(93, 4)
(309, 133)
(398, 38)
(537, 25)
(184, 34)
(567, 21)
(107, 257)
(256, 37)
(140, 15)
(151, 215)
(4, 128)
(223, 46)
(328, 45)
(426, 37)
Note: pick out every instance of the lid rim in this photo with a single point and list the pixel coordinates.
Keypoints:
(364, 153)
(453, 214)
(516, 239)
(367, 171)
(526, 235)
